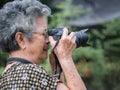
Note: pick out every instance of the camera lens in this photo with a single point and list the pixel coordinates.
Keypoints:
(81, 36)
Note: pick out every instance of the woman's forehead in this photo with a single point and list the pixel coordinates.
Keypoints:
(41, 21)
(41, 24)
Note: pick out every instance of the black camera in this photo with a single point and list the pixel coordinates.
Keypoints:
(81, 36)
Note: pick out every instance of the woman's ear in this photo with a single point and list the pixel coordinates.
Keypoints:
(20, 38)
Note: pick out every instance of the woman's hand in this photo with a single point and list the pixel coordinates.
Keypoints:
(64, 51)
(65, 46)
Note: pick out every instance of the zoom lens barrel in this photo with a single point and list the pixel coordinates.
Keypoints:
(81, 36)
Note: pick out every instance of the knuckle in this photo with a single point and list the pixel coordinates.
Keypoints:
(72, 33)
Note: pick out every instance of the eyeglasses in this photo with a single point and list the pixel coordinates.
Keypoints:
(43, 34)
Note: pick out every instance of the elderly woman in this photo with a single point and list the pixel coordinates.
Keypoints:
(23, 34)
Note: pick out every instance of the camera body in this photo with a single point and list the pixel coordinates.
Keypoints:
(81, 36)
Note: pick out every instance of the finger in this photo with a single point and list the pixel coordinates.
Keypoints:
(72, 45)
(52, 41)
(65, 33)
(74, 40)
(72, 35)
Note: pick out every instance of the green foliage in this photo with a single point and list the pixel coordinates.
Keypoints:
(3, 57)
(1, 70)
(93, 66)
(112, 50)
(70, 11)
(46, 65)
(109, 41)
(93, 54)
(66, 12)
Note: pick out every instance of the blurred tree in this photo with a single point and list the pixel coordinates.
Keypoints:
(65, 10)
(90, 63)
(108, 39)
(112, 51)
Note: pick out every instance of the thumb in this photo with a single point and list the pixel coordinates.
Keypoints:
(52, 41)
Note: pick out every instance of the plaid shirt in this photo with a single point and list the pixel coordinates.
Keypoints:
(27, 77)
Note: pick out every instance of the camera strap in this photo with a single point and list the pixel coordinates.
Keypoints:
(16, 59)
(56, 61)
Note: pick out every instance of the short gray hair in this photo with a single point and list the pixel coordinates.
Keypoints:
(19, 16)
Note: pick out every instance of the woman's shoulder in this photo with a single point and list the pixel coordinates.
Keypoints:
(21, 68)
(30, 67)
(28, 75)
